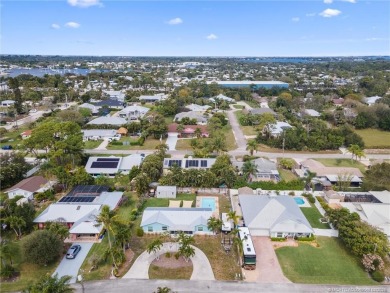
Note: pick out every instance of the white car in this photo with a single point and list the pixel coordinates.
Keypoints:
(33, 111)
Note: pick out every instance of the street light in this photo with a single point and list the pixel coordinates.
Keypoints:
(81, 280)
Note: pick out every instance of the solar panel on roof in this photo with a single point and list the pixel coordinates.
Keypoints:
(107, 160)
(104, 165)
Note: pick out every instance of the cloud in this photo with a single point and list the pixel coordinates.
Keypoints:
(311, 14)
(295, 19)
(350, 1)
(85, 3)
(175, 21)
(328, 1)
(211, 37)
(55, 26)
(330, 12)
(72, 24)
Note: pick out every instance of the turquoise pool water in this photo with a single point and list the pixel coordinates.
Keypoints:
(208, 203)
(299, 200)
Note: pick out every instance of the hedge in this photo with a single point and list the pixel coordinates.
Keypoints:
(305, 238)
(269, 185)
(279, 239)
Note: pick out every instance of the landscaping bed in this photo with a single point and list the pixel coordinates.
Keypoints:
(168, 267)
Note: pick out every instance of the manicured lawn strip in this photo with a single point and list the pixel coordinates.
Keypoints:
(342, 163)
(183, 144)
(161, 273)
(313, 216)
(149, 144)
(374, 138)
(287, 175)
(92, 144)
(29, 273)
(224, 265)
(238, 106)
(328, 264)
(164, 202)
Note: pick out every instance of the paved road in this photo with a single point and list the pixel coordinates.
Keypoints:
(238, 134)
(201, 265)
(71, 267)
(181, 286)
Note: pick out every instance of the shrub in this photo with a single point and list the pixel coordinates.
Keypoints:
(279, 239)
(372, 262)
(140, 232)
(312, 199)
(47, 195)
(42, 247)
(168, 255)
(292, 193)
(7, 271)
(115, 142)
(307, 195)
(378, 276)
(304, 238)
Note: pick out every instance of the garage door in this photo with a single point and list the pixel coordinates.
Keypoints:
(259, 232)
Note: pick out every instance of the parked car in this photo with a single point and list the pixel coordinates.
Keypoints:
(7, 147)
(33, 111)
(73, 251)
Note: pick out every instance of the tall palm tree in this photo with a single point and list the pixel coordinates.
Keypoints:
(356, 151)
(154, 247)
(108, 218)
(251, 146)
(214, 224)
(233, 217)
(51, 284)
(16, 223)
(249, 168)
(6, 253)
(122, 234)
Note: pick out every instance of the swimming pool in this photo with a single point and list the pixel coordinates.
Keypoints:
(299, 200)
(208, 203)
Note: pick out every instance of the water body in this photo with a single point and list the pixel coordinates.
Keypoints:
(313, 59)
(42, 71)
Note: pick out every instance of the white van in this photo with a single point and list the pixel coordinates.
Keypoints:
(227, 225)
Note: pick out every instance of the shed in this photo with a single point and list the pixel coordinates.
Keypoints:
(166, 192)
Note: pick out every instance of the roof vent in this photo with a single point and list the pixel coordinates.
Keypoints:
(78, 207)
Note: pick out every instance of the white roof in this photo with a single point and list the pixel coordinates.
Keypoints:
(108, 120)
(110, 199)
(336, 178)
(223, 97)
(257, 82)
(99, 132)
(166, 188)
(134, 108)
(87, 227)
(70, 213)
(278, 127)
(372, 100)
(312, 113)
(185, 219)
(198, 108)
(383, 196)
(124, 164)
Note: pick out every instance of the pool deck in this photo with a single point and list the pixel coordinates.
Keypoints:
(216, 211)
(306, 203)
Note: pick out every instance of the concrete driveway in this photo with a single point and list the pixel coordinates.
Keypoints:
(71, 267)
(201, 266)
(171, 141)
(267, 269)
(237, 132)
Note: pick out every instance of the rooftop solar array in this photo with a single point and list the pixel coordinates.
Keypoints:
(107, 160)
(87, 190)
(174, 162)
(77, 199)
(105, 164)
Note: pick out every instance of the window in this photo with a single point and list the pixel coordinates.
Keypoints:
(279, 234)
(164, 228)
(203, 163)
(192, 163)
(200, 228)
(150, 228)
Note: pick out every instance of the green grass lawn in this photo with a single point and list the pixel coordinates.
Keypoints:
(29, 273)
(328, 264)
(286, 175)
(374, 138)
(161, 273)
(247, 130)
(342, 163)
(238, 106)
(12, 137)
(149, 144)
(164, 202)
(313, 216)
(92, 144)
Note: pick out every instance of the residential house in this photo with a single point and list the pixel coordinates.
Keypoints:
(273, 216)
(188, 130)
(266, 170)
(26, 134)
(108, 120)
(116, 95)
(198, 108)
(189, 163)
(94, 109)
(133, 112)
(277, 128)
(176, 220)
(154, 98)
(311, 113)
(79, 209)
(7, 103)
(99, 134)
(261, 111)
(110, 166)
(222, 98)
(200, 118)
(166, 191)
(27, 187)
(371, 100)
(110, 103)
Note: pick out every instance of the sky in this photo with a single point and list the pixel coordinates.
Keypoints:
(195, 28)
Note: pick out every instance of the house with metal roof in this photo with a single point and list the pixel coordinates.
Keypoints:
(198, 108)
(98, 134)
(250, 83)
(133, 112)
(78, 210)
(110, 166)
(108, 120)
(154, 98)
(277, 128)
(27, 187)
(201, 119)
(176, 220)
(273, 216)
(189, 163)
(266, 170)
(110, 103)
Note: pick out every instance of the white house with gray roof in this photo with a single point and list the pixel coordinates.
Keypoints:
(110, 166)
(133, 112)
(266, 170)
(175, 220)
(273, 216)
(154, 98)
(108, 120)
(200, 118)
(98, 134)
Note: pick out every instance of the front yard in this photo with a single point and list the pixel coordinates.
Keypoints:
(342, 163)
(149, 144)
(328, 264)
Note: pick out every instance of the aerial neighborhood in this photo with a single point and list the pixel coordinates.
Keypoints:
(204, 169)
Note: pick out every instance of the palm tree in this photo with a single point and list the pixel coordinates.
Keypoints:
(108, 218)
(51, 284)
(198, 133)
(356, 151)
(309, 176)
(233, 217)
(16, 223)
(6, 253)
(251, 146)
(187, 252)
(164, 290)
(59, 229)
(154, 247)
(122, 234)
(214, 224)
(249, 168)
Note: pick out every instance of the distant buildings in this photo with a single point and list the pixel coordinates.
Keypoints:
(250, 83)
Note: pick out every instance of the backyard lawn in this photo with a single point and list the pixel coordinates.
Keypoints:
(287, 175)
(374, 138)
(313, 216)
(164, 202)
(328, 264)
(342, 163)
